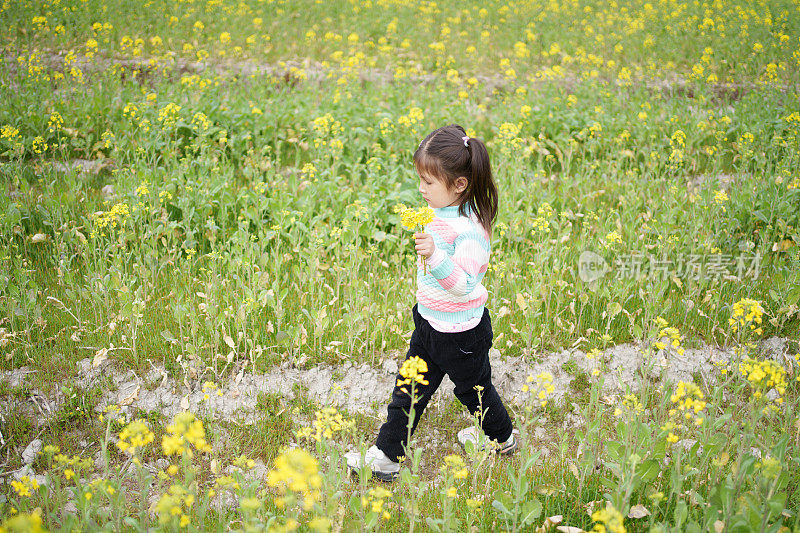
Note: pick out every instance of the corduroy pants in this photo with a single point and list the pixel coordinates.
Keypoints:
(464, 357)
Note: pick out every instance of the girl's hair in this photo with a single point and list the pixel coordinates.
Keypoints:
(442, 155)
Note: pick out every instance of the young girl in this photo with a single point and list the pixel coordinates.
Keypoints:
(453, 331)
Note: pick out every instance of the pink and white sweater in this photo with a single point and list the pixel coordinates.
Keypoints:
(450, 296)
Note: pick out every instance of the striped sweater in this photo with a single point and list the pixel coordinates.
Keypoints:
(450, 296)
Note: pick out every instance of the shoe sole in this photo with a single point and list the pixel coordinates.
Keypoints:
(510, 450)
(387, 477)
(506, 451)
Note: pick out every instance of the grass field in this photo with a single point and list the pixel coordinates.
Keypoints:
(209, 188)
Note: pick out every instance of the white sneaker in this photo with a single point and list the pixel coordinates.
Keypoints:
(480, 441)
(382, 467)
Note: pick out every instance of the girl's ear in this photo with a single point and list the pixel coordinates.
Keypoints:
(461, 183)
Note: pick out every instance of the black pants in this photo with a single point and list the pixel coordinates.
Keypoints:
(464, 357)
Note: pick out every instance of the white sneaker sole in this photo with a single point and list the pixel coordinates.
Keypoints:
(381, 476)
(509, 450)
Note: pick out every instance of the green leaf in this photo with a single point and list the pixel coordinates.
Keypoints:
(497, 504)
(681, 512)
(613, 309)
(616, 450)
(648, 470)
(531, 510)
(433, 524)
(693, 527)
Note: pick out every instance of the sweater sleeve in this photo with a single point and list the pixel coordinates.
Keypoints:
(461, 273)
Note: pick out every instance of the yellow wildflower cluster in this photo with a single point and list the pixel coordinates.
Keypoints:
(225, 482)
(325, 127)
(185, 432)
(629, 407)
(244, 462)
(595, 130)
(210, 387)
(541, 224)
(763, 376)
(508, 138)
(720, 198)
(413, 370)
(668, 336)
(75, 462)
(689, 404)
(200, 122)
(112, 411)
(168, 115)
(39, 145)
(100, 486)
(328, 422)
(546, 210)
(454, 468)
(30, 523)
(176, 503)
(745, 143)
(414, 219)
(24, 485)
(134, 437)
(611, 239)
(56, 122)
(143, 189)
(610, 520)
(107, 139)
(357, 208)
(678, 144)
(34, 67)
(746, 312)
(793, 120)
(11, 134)
(308, 171)
(543, 389)
(412, 119)
(109, 219)
(295, 472)
(374, 501)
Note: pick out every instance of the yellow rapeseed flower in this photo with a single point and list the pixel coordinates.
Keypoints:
(185, 432)
(415, 220)
(413, 370)
(25, 485)
(134, 437)
(295, 471)
(746, 312)
(610, 520)
(328, 421)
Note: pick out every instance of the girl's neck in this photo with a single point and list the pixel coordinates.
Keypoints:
(450, 211)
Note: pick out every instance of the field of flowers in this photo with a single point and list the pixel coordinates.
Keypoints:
(212, 187)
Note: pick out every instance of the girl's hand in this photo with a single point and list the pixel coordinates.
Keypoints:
(424, 244)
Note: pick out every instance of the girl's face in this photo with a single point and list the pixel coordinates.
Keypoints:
(437, 195)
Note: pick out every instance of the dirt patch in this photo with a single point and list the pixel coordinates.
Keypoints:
(367, 389)
(146, 68)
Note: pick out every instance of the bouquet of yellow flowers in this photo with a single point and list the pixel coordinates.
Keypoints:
(415, 220)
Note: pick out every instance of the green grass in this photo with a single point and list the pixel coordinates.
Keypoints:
(255, 224)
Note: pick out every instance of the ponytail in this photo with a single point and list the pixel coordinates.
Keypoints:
(447, 154)
(482, 192)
